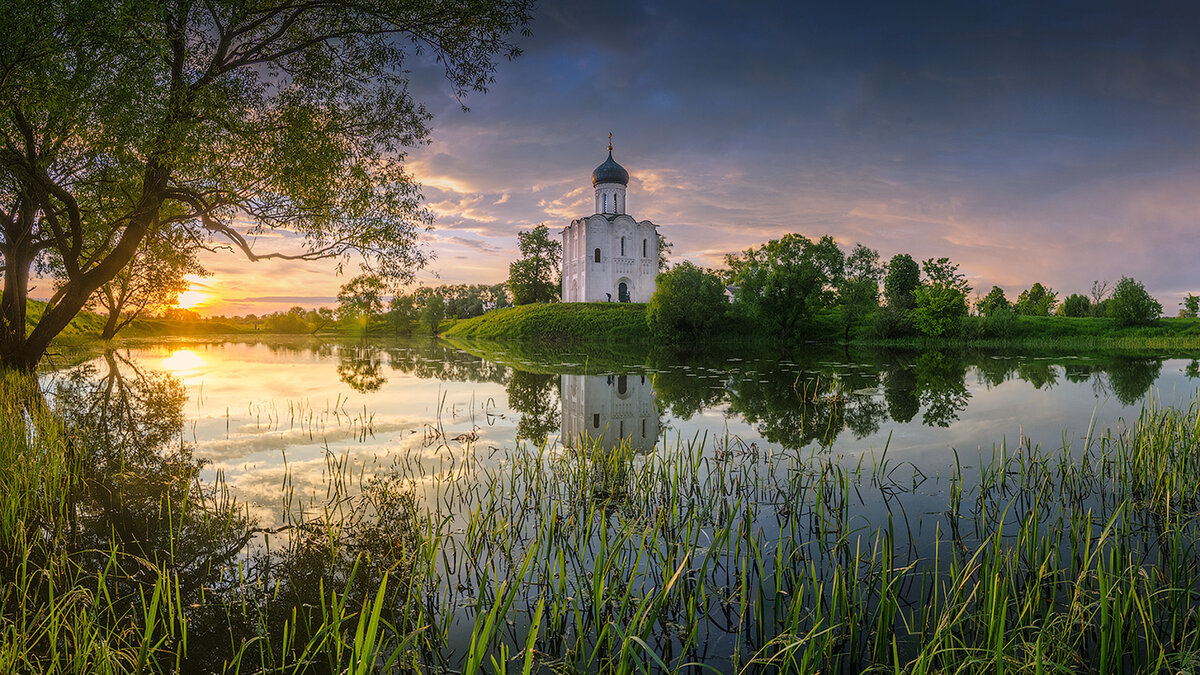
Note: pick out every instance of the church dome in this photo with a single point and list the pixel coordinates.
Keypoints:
(610, 172)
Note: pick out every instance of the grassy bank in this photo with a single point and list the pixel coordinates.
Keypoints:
(115, 557)
(559, 322)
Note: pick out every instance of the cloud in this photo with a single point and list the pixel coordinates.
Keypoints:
(1026, 141)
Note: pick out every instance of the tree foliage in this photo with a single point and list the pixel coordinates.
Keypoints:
(1190, 307)
(229, 119)
(664, 248)
(784, 281)
(298, 320)
(903, 278)
(361, 299)
(858, 288)
(1037, 301)
(941, 300)
(433, 310)
(688, 303)
(464, 301)
(993, 302)
(536, 276)
(1076, 305)
(151, 282)
(1131, 305)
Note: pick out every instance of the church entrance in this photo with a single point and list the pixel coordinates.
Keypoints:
(623, 292)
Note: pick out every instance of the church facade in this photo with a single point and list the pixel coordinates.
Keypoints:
(608, 256)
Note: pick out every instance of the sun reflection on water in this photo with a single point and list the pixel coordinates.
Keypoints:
(183, 361)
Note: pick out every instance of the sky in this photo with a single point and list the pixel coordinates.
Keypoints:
(1051, 142)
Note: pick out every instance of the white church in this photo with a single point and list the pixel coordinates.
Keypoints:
(608, 256)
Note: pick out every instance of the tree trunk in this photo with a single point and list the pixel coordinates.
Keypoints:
(17, 261)
(110, 326)
(24, 352)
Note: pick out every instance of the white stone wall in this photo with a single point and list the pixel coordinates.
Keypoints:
(613, 409)
(585, 280)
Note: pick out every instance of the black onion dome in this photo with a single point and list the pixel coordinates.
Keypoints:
(610, 172)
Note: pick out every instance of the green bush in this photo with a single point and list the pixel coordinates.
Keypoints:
(1002, 324)
(893, 322)
(1131, 305)
(688, 304)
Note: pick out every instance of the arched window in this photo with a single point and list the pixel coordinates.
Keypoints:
(596, 420)
(597, 255)
(644, 248)
(622, 245)
(604, 201)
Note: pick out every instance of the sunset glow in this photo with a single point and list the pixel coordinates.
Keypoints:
(182, 361)
(191, 299)
(195, 296)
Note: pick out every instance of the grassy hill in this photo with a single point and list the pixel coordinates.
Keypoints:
(559, 322)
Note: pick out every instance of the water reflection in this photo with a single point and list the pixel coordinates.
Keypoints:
(141, 513)
(535, 397)
(611, 410)
(502, 395)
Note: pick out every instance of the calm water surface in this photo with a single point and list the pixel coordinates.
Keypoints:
(254, 408)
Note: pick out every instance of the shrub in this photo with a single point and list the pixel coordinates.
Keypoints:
(1131, 305)
(1001, 324)
(688, 303)
(893, 322)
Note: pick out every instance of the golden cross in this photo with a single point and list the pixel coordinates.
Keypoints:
(610, 141)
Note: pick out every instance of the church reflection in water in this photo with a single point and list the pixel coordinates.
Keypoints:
(610, 409)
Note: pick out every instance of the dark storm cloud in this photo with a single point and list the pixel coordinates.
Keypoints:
(1053, 141)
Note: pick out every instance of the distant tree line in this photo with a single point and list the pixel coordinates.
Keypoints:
(366, 305)
(795, 287)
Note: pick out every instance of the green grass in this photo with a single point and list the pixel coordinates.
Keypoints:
(559, 322)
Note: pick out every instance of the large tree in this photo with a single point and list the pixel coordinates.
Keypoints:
(230, 118)
(994, 301)
(1131, 305)
(1039, 300)
(536, 276)
(361, 299)
(785, 281)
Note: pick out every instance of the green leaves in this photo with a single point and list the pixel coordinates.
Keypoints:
(1131, 305)
(786, 280)
(536, 276)
(689, 302)
(226, 119)
(941, 301)
(1037, 301)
